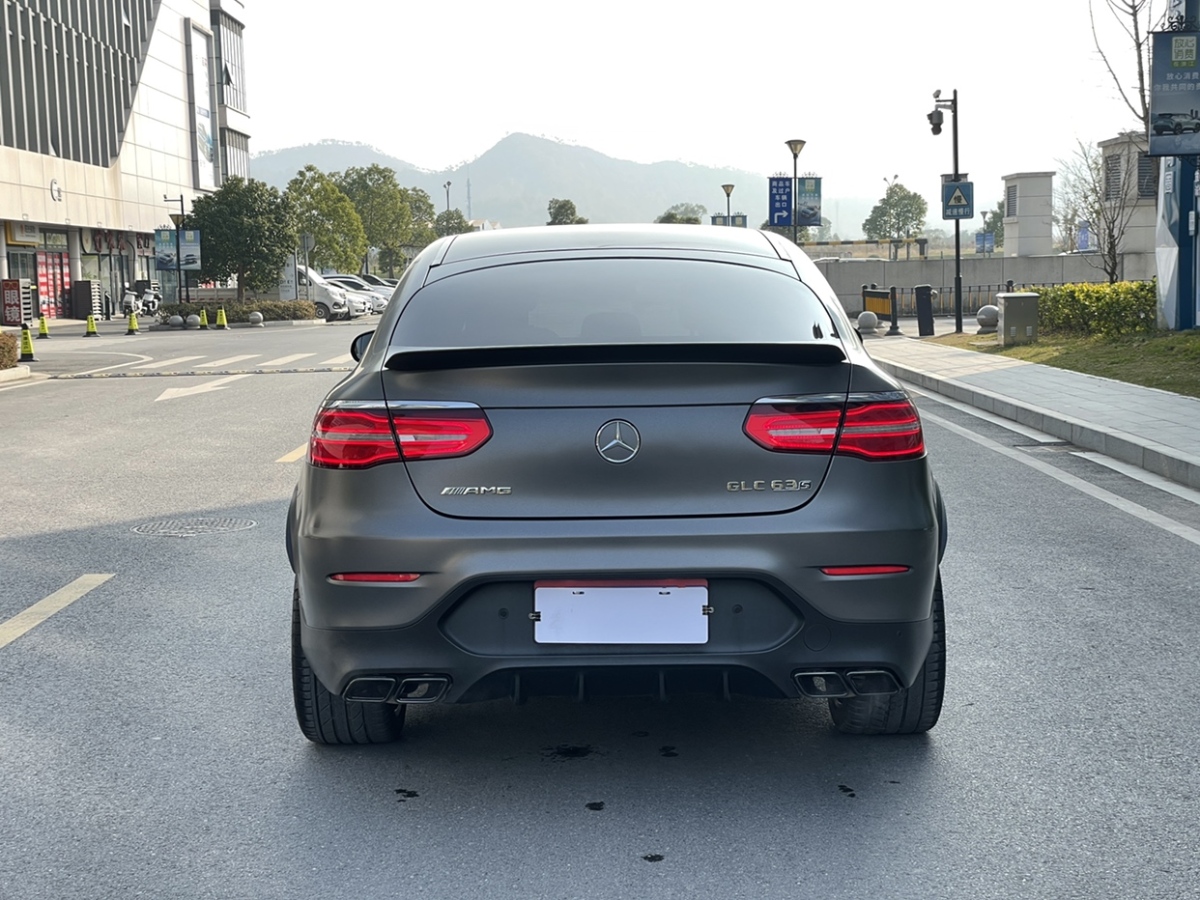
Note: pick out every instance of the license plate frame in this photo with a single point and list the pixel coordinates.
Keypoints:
(665, 611)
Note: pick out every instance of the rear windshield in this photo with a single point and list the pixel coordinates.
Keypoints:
(606, 301)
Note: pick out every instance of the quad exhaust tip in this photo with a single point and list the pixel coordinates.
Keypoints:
(397, 688)
(831, 685)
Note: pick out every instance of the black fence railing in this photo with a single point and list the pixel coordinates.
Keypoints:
(975, 297)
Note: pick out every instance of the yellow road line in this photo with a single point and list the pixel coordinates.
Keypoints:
(48, 606)
(295, 454)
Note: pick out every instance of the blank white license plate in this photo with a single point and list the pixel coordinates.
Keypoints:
(670, 612)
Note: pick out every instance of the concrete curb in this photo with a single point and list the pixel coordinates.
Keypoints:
(16, 373)
(1168, 462)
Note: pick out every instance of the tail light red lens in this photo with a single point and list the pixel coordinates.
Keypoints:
(360, 437)
(440, 435)
(375, 577)
(844, 571)
(870, 426)
(352, 439)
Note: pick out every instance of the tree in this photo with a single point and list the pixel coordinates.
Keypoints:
(247, 231)
(322, 210)
(899, 214)
(683, 214)
(993, 223)
(380, 204)
(451, 221)
(1102, 190)
(1137, 19)
(562, 212)
(802, 233)
(670, 217)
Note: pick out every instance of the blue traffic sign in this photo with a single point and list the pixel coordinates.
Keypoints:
(958, 200)
(780, 201)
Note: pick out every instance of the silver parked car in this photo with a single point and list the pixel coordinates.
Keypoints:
(633, 459)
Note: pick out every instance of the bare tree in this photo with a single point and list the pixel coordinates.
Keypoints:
(1101, 189)
(1137, 18)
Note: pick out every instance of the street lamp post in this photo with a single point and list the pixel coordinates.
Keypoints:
(728, 189)
(935, 120)
(447, 187)
(177, 221)
(795, 146)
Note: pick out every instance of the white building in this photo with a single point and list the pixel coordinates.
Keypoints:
(111, 111)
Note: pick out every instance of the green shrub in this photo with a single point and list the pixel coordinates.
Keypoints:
(1127, 307)
(272, 310)
(8, 350)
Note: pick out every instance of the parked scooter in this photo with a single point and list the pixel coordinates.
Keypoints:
(146, 305)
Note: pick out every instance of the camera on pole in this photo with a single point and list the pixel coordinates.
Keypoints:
(935, 121)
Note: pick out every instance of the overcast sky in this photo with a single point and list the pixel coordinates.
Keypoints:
(438, 83)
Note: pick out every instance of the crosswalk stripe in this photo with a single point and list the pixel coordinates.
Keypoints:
(338, 360)
(226, 361)
(284, 360)
(168, 362)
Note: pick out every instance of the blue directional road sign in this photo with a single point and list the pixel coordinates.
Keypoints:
(958, 200)
(781, 201)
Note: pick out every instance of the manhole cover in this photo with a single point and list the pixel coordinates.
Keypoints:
(192, 527)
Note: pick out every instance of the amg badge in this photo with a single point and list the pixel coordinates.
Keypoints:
(475, 491)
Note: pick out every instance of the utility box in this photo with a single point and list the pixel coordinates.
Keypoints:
(1018, 322)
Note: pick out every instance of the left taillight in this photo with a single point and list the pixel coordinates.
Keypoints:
(360, 436)
(344, 438)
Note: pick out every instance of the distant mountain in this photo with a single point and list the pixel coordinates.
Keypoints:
(513, 182)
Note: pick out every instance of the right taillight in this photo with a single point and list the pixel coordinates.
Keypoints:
(881, 426)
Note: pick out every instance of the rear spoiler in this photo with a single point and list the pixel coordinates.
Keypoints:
(424, 359)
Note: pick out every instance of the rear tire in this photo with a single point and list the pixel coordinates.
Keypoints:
(911, 711)
(322, 311)
(324, 717)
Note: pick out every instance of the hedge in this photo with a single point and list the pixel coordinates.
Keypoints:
(1127, 307)
(272, 310)
(8, 350)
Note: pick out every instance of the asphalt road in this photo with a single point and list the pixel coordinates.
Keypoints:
(148, 746)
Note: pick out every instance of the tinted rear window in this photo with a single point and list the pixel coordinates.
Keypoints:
(604, 301)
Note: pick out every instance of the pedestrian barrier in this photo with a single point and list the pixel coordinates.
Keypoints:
(204, 318)
(133, 326)
(43, 327)
(221, 323)
(91, 327)
(26, 345)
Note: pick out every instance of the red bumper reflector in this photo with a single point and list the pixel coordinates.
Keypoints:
(863, 570)
(376, 577)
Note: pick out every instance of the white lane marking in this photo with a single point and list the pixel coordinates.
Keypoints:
(172, 393)
(1024, 430)
(168, 362)
(1149, 478)
(226, 361)
(1136, 510)
(137, 357)
(296, 454)
(35, 615)
(284, 360)
(338, 360)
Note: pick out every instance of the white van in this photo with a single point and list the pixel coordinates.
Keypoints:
(331, 301)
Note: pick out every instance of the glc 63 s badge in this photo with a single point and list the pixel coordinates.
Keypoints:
(775, 484)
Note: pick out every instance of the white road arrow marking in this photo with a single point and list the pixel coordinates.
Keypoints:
(172, 393)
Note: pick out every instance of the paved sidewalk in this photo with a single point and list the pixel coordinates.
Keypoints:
(1152, 429)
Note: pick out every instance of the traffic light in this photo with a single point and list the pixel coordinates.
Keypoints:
(935, 121)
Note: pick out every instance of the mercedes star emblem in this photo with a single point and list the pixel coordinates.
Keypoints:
(618, 441)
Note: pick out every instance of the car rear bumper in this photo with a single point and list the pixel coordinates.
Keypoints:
(467, 617)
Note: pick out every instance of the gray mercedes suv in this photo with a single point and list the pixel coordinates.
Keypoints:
(589, 460)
